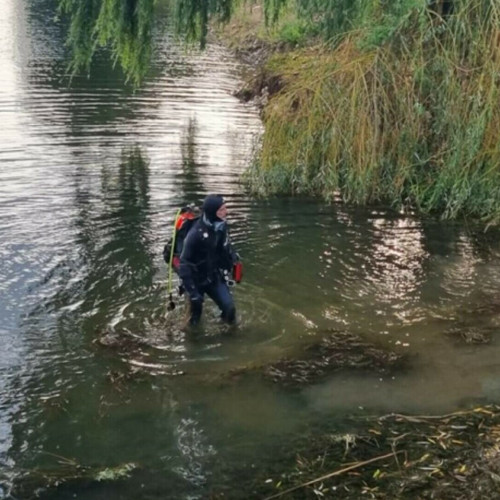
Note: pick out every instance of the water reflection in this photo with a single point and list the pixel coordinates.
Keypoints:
(190, 183)
(114, 236)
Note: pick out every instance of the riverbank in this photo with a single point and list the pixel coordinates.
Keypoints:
(401, 111)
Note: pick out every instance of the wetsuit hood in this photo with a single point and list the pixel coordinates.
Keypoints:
(210, 206)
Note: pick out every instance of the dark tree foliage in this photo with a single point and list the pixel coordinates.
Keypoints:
(125, 26)
(331, 17)
(193, 16)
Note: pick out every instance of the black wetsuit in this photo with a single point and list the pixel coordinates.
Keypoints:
(206, 253)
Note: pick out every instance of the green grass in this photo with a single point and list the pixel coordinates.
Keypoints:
(405, 112)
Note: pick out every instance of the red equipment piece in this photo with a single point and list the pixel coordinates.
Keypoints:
(237, 271)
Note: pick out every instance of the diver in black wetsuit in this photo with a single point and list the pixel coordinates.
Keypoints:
(206, 254)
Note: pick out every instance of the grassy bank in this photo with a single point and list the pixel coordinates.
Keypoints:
(400, 109)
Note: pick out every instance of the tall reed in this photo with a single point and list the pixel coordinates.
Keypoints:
(405, 111)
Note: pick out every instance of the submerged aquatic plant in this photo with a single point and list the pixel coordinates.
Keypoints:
(114, 473)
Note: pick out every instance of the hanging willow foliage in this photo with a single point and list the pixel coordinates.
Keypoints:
(192, 17)
(125, 26)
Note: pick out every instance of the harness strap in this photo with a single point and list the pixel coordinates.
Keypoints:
(169, 285)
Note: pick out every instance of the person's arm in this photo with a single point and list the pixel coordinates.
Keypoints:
(188, 265)
(229, 255)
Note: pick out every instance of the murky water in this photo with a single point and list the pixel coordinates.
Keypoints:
(92, 174)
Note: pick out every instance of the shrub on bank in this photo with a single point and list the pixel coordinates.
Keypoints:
(404, 110)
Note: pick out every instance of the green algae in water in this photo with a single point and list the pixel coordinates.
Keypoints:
(114, 473)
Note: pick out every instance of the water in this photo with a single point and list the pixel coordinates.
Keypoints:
(92, 174)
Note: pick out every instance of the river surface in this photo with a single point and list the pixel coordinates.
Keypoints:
(91, 176)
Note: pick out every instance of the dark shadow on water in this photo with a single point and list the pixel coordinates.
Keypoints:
(114, 254)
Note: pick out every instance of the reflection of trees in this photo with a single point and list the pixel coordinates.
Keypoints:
(122, 265)
(132, 213)
(459, 254)
(109, 264)
(114, 263)
(375, 261)
(191, 186)
(399, 267)
(447, 239)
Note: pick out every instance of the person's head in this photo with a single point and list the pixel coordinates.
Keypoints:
(214, 207)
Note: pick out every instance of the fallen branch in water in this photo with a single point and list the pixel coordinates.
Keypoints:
(422, 418)
(335, 473)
